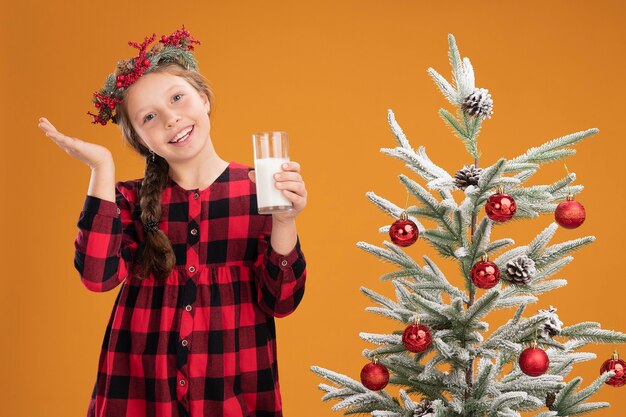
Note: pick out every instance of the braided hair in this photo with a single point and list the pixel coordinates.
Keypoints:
(155, 254)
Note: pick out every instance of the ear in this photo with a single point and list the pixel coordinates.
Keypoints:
(206, 101)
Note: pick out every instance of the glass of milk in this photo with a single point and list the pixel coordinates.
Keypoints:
(271, 150)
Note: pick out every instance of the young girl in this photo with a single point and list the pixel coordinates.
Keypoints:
(203, 274)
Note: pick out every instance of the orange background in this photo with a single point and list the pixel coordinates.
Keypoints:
(326, 72)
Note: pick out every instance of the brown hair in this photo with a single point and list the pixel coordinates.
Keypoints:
(156, 255)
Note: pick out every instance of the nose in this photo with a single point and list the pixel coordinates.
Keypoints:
(171, 119)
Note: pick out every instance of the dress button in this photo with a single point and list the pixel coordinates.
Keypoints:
(194, 231)
(184, 342)
(188, 307)
(284, 262)
(196, 195)
(118, 210)
(182, 382)
(192, 268)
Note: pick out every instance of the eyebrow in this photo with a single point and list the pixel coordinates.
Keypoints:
(140, 111)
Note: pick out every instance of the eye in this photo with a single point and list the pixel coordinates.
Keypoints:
(178, 95)
(148, 118)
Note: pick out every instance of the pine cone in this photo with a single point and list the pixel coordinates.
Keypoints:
(520, 270)
(156, 48)
(122, 66)
(550, 398)
(105, 114)
(466, 176)
(552, 325)
(424, 409)
(479, 103)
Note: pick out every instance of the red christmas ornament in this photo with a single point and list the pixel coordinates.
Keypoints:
(500, 207)
(485, 274)
(417, 338)
(374, 376)
(403, 232)
(618, 366)
(534, 361)
(570, 213)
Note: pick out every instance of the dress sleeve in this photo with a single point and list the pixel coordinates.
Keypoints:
(280, 278)
(106, 241)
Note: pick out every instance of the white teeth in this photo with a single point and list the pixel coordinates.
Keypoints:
(183, 139)
(182, 135)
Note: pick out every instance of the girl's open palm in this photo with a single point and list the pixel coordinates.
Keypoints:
(89, 153)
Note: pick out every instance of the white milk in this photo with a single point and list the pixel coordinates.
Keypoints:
(266, 193)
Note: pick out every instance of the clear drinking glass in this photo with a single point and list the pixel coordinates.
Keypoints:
(271, 150)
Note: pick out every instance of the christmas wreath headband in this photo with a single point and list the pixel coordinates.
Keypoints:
(173, 48)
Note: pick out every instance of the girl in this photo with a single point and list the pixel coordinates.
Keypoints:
(203, 274)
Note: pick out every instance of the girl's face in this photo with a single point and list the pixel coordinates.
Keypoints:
(163, 108)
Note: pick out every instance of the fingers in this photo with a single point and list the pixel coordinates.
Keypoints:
(287, 176)
(46, 125)
(291, 166)
(294, 191)
(283, 176)
(294, 186)
(290, 182)
(63, 141)
(299, 201)
(291, 185)
(52, 132)
(89, 153)
(49, 129)
(68, 144)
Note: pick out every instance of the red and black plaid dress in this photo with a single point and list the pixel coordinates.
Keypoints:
(201, 343)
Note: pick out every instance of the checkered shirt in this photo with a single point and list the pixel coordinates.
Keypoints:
(201, 343)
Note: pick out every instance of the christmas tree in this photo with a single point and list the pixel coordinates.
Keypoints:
(442, 358)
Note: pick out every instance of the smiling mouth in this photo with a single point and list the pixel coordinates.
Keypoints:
(185, 137)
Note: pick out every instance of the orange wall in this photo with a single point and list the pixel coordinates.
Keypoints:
(326, 72)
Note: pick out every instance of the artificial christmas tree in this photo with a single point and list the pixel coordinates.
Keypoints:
(464, 371)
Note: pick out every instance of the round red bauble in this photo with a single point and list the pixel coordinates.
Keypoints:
(534, 361)
(417, 338)
(500, 207)
(570, 213)
(374, 376)
(485, 274)
(619, 367)
(403, 232)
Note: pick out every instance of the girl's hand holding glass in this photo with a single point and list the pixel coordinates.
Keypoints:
(290, 182)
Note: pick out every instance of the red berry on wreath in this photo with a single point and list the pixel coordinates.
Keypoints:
(485, 274)
(534, 361)
(618, 366)
(570, 213)
(500, 207)
(374, 376)
(417, 338)
(403, 232)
